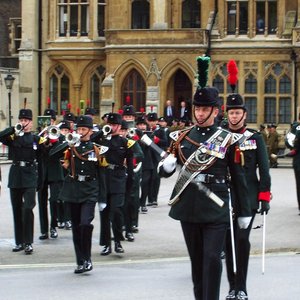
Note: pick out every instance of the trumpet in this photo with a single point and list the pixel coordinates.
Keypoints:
(19, 129)
(106, 130)
(72, 138)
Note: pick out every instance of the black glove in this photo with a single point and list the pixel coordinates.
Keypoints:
(264, 207)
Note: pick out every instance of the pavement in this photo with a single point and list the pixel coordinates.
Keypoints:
(156, 264)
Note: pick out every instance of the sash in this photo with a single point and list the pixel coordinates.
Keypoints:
(203, 157)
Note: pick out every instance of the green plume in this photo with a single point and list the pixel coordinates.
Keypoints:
(203, 64)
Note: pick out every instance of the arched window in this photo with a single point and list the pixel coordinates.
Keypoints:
(73, 17)
(278, 104)
(134, 86)
(191, 14)
(140, 11)
(95, 88)
(59, 91)
(251, 85)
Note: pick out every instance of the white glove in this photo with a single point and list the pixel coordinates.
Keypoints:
(101, 206)
(169, 163)
(244, 222)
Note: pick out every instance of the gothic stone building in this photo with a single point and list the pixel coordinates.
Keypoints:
(102, 52)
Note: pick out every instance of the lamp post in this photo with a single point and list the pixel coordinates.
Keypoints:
(9, 81)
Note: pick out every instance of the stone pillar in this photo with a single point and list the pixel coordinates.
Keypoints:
(28, 56)
(159, 14)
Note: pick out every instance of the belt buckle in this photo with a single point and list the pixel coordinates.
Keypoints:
(81, 177)
(22, 163)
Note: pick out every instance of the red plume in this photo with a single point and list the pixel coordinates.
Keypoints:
(142, 109)
(88, 102)
(78, 111)
(69, 106)
(151, 107)
(232, 74)
(120, 111)
(127, 100)
(48, 102)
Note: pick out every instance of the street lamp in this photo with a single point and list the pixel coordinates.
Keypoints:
(9, 81)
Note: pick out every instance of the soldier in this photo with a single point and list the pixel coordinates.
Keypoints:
(83, 187)
(252, 154)
(118, 175)
(150, 178)
(70, 117)
(129, 115)
(273, 141)
(91, 112)
(262, 130)
(132, 204)
(200, 199)
(25, 149)
(51, 177)
(163, 125)
(63, 210)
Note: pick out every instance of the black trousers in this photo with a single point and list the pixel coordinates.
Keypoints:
(82, 215)
(205, 243)
(238, 281)
(23, 202)
(149, 186)
(112, 218)
(132, 204)
(297, 177)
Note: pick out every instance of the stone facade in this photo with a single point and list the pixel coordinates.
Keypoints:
(163, 56)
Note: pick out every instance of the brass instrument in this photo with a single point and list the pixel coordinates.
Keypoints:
(53, 132)
(106, 129)
(131, 132)
(19, 129)
(72, 138)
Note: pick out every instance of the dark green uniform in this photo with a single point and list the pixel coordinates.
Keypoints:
(254, 157)
(296, 160)
(83, 187)
(22, 181)
(203, 222)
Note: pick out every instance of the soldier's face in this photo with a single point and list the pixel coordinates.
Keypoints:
(115, 128)
(85, 133)
(128, 118)
(27, 124)
(205, 115)
(141, 126)
(236, 118)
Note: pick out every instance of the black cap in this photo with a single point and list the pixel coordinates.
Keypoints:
(273, 125)
(84, 121)
(90, 111)
(69, 117)
(141, 120)
(114, 118)
(65, 124)
(124, 125)
(207, 96)
(128, 110)
(262, 126)
(235, 101)
(25, 114)
(152, 116)
(104, 116)
(50, 112)
(162, 119)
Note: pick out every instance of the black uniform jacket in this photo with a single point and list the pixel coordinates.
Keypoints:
(83, 161)
(25, 149)
(119, 169)
(193, 205)
(296, 158)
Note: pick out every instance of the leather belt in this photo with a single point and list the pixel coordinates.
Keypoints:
(115, 167)
(209, 178)
(82, 178)
(22, 163)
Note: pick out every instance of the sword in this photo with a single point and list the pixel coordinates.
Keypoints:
(211, 195)
(232, 234)
(264, 242)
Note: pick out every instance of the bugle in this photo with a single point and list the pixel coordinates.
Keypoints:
(19, 129)
(131, 132)
(72, 138)
(53, 132)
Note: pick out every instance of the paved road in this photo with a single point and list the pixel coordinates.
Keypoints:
(155, 265)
